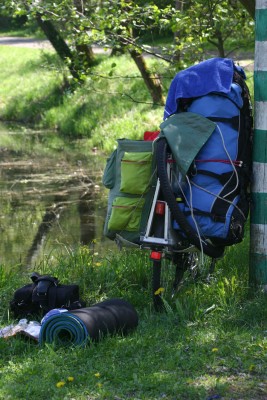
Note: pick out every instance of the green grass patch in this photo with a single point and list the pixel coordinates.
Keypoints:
(31, 84)
(210, 342)
(113, 102)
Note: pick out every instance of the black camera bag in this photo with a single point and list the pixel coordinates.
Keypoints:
(44, 294)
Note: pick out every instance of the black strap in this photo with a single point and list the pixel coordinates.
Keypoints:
(214, 217)
(43, 285)
(222, 178)
(246, 126)
(228, 192)
(35, 276)
(234, 121)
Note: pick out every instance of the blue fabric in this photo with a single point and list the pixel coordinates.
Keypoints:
(225, 137)
(64, 329)
(213, 75)
(221, 145)
(206, 226)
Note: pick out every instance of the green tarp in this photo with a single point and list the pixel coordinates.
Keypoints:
(186, 133)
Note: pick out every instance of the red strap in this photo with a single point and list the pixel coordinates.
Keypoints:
(237, 163)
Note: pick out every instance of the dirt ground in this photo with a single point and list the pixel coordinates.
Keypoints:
(24, 42)
(245, 60)
(36, 43)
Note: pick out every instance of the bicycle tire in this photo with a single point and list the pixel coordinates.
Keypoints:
(177, 214)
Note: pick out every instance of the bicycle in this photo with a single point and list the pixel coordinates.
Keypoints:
(167, 246)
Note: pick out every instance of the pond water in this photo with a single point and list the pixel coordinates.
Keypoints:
(51, 196)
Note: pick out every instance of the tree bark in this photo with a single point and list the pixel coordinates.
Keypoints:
(152, 81)
(179, 5)
(85, 52)
(219, 43)
(58, 43)
(250, 6)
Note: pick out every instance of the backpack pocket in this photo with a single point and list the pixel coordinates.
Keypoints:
(126, 214)
(136, 172)
(109, 175)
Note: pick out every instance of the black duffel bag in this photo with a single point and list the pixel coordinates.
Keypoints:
(44, 294)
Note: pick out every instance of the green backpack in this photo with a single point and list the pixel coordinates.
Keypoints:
(130, 174)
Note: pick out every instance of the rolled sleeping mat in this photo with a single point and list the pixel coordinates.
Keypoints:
(83, 325)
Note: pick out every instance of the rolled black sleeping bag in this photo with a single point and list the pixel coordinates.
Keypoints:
(78, 327)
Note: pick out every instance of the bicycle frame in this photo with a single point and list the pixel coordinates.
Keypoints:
(162, 240)
(167, 241)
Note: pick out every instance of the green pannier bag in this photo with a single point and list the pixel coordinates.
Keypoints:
(130, 174)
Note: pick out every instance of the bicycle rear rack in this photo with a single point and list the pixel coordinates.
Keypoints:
(159, 231)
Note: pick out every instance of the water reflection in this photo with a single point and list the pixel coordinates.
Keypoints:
(49, 202)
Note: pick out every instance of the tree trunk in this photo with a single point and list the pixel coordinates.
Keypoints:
(177, 54)
(220, 43)
(58, 43)
(152, 81)
(249, 6)
(86, 54)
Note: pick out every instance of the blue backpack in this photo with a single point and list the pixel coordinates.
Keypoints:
(208, 133)
(213, 194)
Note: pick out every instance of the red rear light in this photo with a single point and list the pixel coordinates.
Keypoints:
(155, 255)
(160, 207)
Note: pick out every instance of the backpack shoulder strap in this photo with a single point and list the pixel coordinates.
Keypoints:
(246, 126)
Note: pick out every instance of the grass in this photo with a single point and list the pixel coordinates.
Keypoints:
(30, 79)
(210, 342)
(113, 102)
